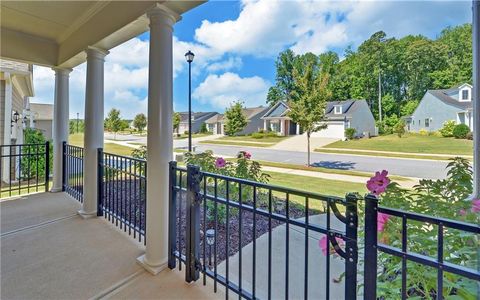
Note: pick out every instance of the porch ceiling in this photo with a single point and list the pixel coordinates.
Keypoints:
(55, 33)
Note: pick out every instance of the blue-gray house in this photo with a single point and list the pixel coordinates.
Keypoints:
(339, 115)
(439, 106)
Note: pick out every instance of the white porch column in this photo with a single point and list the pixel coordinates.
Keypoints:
(282, 127)
(60, 124)
(93, 134)
(7, 128)
(476, 98)
(265, 125)
(159, 137)
(298, 129)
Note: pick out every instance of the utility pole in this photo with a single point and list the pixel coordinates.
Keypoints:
(379, 96)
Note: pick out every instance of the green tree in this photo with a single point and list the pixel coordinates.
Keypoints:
(307, 107)
(235, 119)
(284, 82)
(140, 122)
(176, 121)
(113, 122)
(73, 128)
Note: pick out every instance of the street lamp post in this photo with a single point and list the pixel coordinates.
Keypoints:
(189, 56)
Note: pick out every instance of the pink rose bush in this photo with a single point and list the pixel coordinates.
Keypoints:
(378, 183)
(476, 206)
(323, 243)
(220, 163)
(244, 154)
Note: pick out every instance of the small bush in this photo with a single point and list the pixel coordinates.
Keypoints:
(271, 134)
(470, 136)
(258, 135)
(350, 133)
(460, 131)
(185, 132)
(399, 128)
(447, 129)
(203, 128)
(423, 132)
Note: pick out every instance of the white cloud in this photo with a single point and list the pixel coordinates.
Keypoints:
(221, 90)
(264, 28)
(229, 64)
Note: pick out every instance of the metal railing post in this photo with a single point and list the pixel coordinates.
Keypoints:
(172, 215)
(100, 182)
(370, 256)
(351, 247)
(47, 165)
(193, 223)
(64, 165)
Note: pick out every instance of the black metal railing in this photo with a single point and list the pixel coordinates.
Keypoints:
(224, 228)
(24, 168)
(73, 171)
(442, 226)
(122, 192)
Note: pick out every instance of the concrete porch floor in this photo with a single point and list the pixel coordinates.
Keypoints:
(49, 252)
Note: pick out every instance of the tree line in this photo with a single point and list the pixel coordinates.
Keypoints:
(400, 71)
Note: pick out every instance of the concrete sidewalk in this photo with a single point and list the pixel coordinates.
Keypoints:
(360, 151)
(296, 262)
(299, 143)
(408, 183)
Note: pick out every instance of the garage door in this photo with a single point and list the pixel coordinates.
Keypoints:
(334, 130)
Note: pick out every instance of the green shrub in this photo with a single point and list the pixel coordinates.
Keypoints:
(399, 128)
(350, 133)
(447, 129)
(34, 165)
(203, 128)
(271, 134)
(423, 132)
(446, 198)
(470, 136)
(460, 131)
(258, 135)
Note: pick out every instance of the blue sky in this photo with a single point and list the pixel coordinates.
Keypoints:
(236, 43)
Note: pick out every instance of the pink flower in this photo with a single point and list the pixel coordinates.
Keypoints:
(382, 219)
(378, 183)
(476, 206)
(323, 244)
(220, 163)
(247, 155)
(462, 212)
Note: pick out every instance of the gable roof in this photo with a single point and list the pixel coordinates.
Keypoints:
(42, 111)
(443, 96)
(279, 109)
(197, 116)
(248, 112)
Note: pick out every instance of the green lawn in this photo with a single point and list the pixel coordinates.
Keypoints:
(315, 185)
(77, 140)
(410, 143)
(246, 140)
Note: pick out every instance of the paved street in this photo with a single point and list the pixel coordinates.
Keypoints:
(396, 166)
(429, 169)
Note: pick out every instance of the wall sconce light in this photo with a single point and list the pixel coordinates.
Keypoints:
(15, 118)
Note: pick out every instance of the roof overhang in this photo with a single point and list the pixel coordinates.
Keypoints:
(56, 33)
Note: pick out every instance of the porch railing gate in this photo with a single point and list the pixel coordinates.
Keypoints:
(24, 168)
(72, 179)
(194, 194)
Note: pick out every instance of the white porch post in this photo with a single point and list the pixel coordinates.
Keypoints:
(93, 134)
(282, 127)
(60, 124)
(159, 138)
(476, 98)
(298, 129)
(7, 128)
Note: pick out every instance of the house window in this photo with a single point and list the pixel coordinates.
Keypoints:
(338, 109)
(465, 95)
(427, 122)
